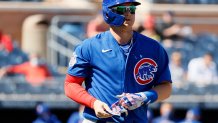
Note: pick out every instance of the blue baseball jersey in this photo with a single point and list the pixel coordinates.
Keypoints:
(108, 73)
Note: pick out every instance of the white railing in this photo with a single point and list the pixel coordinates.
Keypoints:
(55, 33)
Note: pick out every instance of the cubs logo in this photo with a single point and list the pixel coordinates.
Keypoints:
(144, 71)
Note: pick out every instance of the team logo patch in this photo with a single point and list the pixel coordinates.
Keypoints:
(73, 60)
(144, 71)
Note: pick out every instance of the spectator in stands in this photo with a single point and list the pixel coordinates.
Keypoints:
(178, 72)
(166, 114)
(10, 52)
(6, 42)
(45, 115)
(77, 117)
(171, 33)
(193, 115)
(202, 71)
(96, 26)
(149, 28)
(167, 28)
(35, 70)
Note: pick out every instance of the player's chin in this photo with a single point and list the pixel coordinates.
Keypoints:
(127, 24)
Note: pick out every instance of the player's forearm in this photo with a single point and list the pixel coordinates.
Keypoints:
(163, 91)
(79, 94)
(75, 91)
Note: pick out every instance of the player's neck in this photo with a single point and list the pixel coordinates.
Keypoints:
(123, 36)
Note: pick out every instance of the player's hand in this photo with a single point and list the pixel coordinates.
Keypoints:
(101, 109)
(132, 101)
(117, 109)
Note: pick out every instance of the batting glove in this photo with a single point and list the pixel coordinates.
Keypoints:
(132, 101)
(117, 109)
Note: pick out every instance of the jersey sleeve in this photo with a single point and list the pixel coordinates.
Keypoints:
(163, 66)
(80, 61)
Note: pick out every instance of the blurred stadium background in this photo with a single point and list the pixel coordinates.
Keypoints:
(52, 28)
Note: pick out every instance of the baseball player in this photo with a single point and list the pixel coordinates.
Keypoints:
(123, 71)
